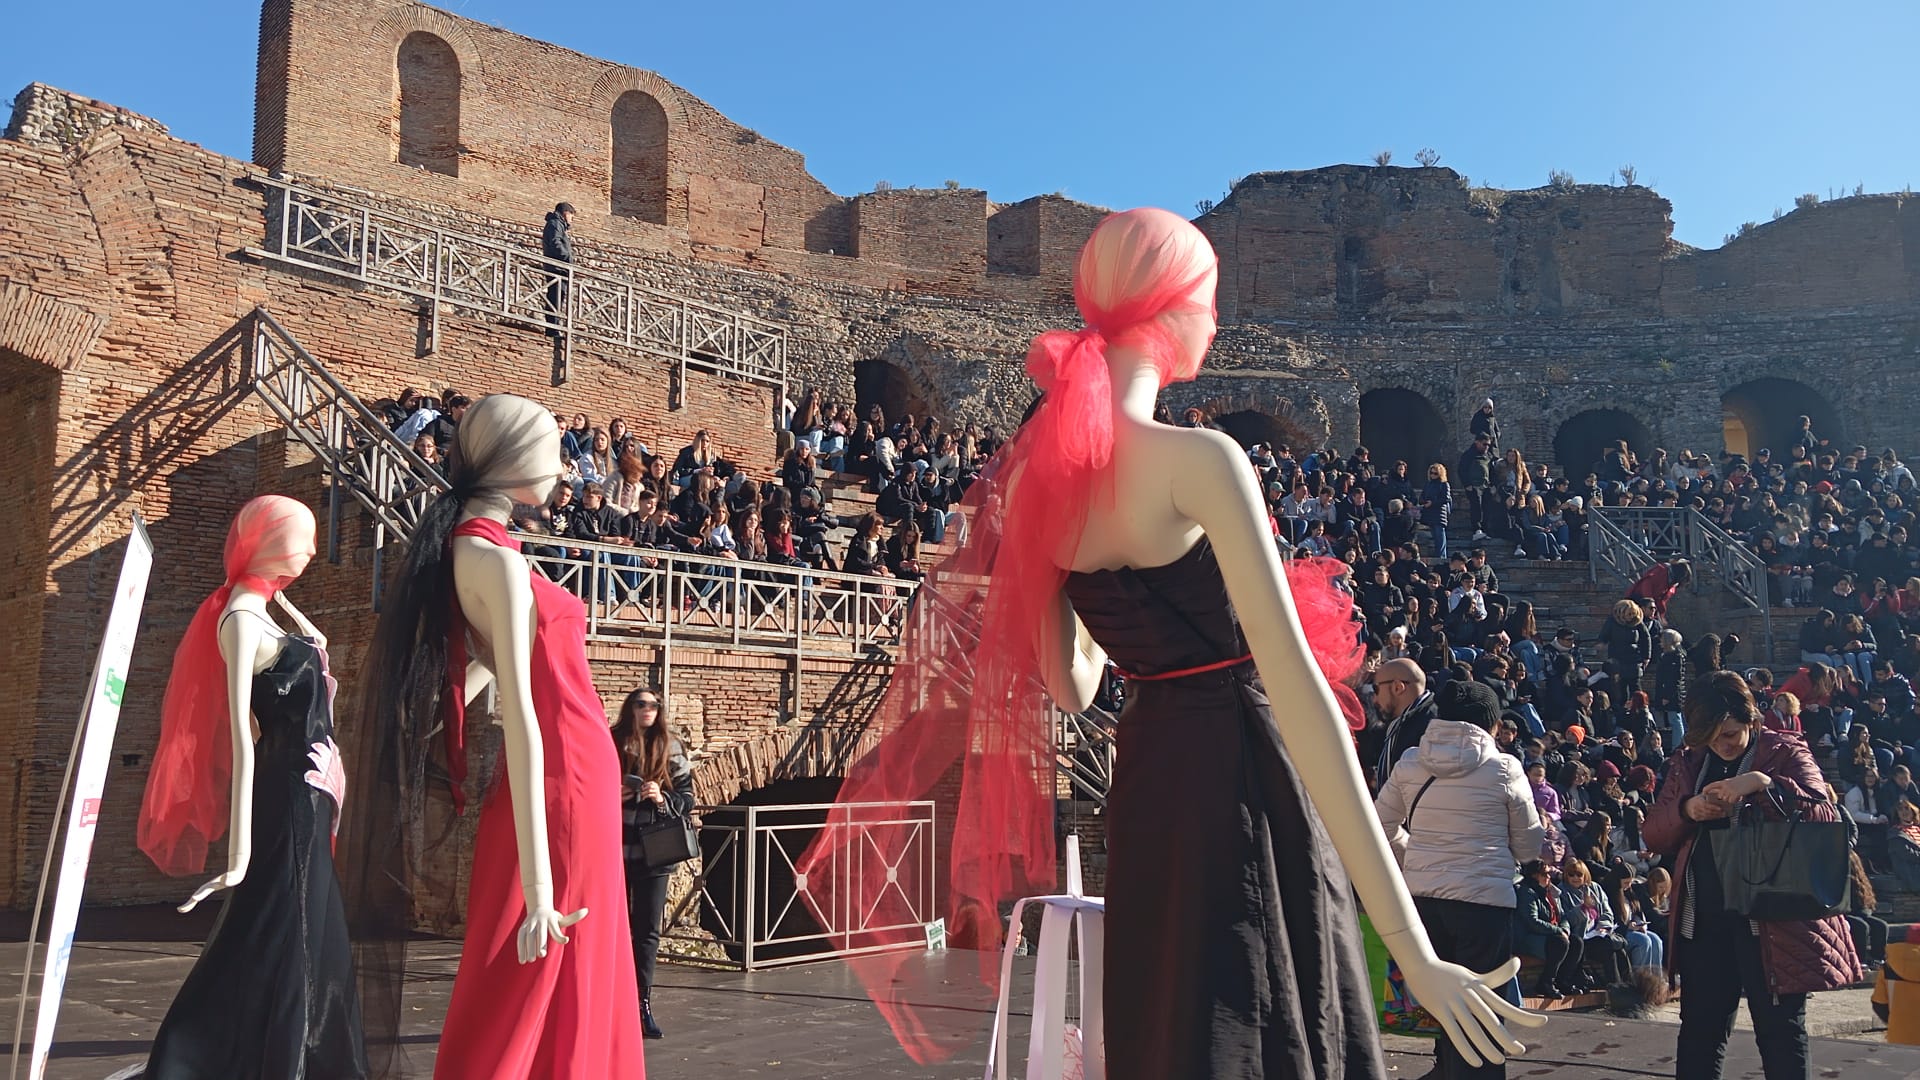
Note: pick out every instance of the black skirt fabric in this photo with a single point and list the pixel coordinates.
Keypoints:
(1232, 945)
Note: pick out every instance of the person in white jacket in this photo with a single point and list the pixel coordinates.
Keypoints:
(1460, 817)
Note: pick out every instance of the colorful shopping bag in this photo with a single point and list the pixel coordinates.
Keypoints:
(1399, 1014)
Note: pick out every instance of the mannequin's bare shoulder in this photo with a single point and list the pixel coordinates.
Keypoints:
(490, 566)
(1206, 456)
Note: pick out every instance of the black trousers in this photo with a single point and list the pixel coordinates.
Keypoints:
(1561, 959)
(1869, 937)
(1478, 937)
(646, 908)
(1719, 965)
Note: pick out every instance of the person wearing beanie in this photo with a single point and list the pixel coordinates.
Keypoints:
(1485, 423)
(1460, 815)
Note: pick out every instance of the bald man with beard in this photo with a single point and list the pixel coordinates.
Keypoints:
(1405, 707)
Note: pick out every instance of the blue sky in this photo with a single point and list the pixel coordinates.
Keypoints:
(1728, 109)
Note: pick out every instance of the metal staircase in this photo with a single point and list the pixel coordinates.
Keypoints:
(685, 600)
(1623, 541)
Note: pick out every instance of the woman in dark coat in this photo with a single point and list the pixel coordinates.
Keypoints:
(1436, 507)
(1731, 761)
(1629, 646)
(659, 783)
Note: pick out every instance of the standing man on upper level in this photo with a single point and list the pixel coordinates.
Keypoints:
(1484, 423)
(557, 244)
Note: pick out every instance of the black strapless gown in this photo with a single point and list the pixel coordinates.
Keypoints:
(1232, 947)
(272, 996)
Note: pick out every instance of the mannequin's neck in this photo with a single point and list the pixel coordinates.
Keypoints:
(244, 598)
(492, 505)
(1136, 382)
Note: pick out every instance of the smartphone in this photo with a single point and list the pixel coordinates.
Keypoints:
(635, 782)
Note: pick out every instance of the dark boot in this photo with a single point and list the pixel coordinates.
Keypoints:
(647, 1027)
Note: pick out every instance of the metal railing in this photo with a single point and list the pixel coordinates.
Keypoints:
(361, 454)
(493, 278)
(752, 902)
(1084, 745)
(630, 592)
(694, 599)
(1624, 541)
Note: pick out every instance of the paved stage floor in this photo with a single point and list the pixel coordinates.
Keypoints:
(813, 1022)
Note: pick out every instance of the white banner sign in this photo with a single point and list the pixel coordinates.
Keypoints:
(95, 740)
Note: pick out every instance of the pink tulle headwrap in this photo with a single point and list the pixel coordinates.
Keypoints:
(965, 707)
(186, 803)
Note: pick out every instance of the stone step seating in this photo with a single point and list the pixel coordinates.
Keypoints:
(849, 500)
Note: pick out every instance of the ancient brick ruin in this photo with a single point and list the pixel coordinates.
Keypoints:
(1358, 304)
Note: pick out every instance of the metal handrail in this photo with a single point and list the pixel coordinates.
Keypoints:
(769, 914)
(385, 475)
(1612, 547)
(690, 598)
(344, 236)
(1740, 570)
(1626, 540)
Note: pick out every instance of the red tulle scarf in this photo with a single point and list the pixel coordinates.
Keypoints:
(186, 804)
(964, 719)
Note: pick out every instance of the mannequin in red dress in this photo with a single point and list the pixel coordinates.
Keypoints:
(546, 981)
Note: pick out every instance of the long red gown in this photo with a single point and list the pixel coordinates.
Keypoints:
(574, 1013)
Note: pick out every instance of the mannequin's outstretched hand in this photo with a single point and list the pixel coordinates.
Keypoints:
(543, 924)
(1469, 1007)
(225, 881)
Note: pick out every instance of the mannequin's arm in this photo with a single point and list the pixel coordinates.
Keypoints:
(1070, 662)
(499, 578)
(1217, 491)
(240, 641)
(300, 620)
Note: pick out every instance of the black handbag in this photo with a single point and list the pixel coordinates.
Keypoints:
(1784, 870)
(667, 840)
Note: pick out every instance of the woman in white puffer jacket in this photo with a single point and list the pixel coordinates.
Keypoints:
(1460, 816)
(1475, 822)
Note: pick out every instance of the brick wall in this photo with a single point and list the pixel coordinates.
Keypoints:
(535, 126)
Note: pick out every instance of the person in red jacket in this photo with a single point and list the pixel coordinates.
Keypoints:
(1721, 956)
(1660, 583)
(1823, 719)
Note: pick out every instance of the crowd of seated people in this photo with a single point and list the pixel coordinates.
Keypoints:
(618, 491)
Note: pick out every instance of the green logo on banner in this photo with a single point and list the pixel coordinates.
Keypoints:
(116, 687)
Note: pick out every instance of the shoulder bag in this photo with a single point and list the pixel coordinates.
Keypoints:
(1784, 870)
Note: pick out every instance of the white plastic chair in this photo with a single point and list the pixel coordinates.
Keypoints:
(1048, 1046)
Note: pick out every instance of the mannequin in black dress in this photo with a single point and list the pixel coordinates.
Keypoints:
(273, 995)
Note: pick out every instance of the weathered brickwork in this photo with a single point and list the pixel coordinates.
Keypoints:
(1376, 304)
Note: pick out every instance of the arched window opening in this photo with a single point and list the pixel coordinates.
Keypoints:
(1765, 413)
(1401, 425)
(1585, 437)
(428, 128)
(639, 171)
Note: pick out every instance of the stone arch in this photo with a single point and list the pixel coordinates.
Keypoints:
(1581, 438)
(726, 775)
(1255, 418)
(427, 104)
(902, 378)
(1765, 412)
(637, 168)
(616, 82)
(394, 28)
(1398, 424)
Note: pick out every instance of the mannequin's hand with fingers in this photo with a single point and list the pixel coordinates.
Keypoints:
(1469, 1007)
(542, 924)
(225, 881)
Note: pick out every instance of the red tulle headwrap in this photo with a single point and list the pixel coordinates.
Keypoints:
(186, 804)
(965, 710)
